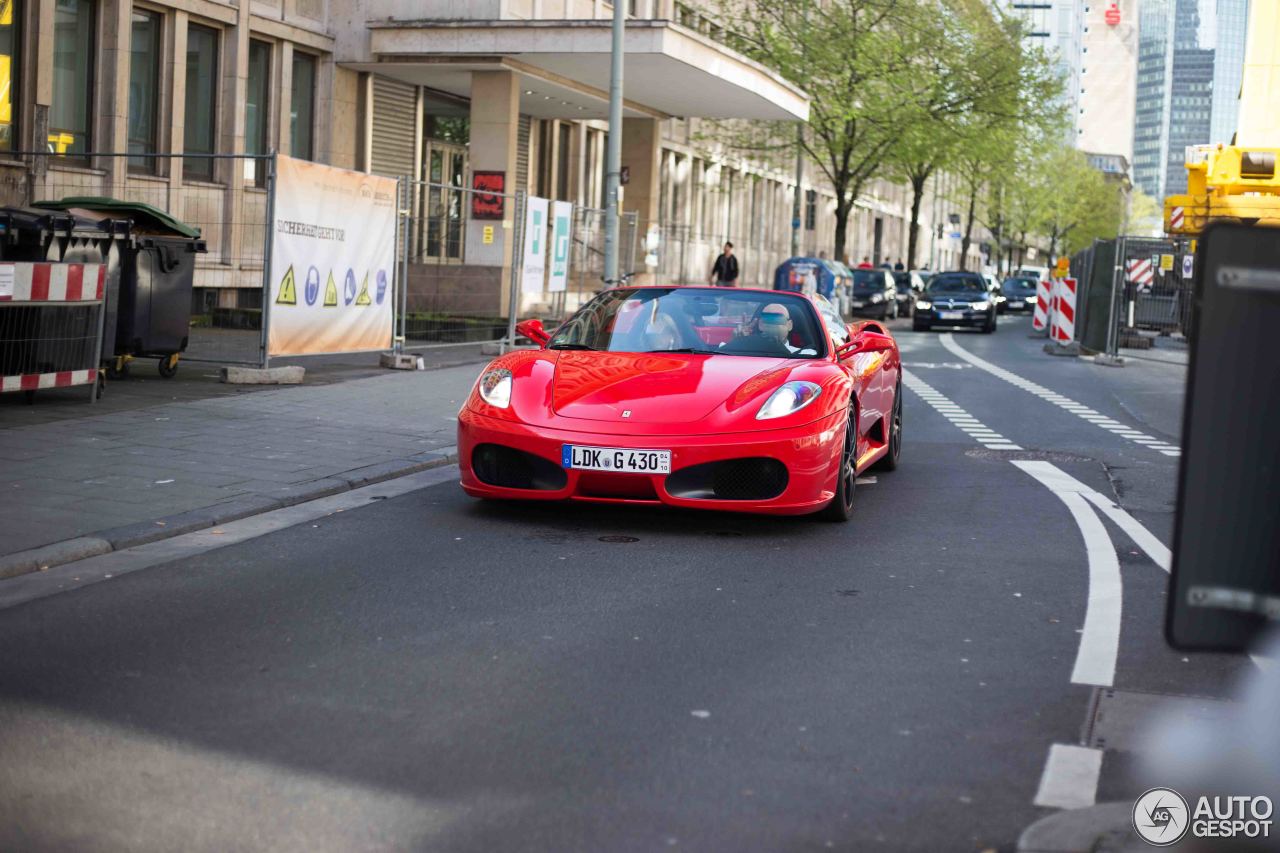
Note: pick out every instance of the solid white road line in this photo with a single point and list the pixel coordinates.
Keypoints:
(1100, 637)
(93, 570)
(1070, 778)
(961, 419)
(1064, 403)
(1060, 482)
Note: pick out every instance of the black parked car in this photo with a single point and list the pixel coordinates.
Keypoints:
(956, 299)
(875, 294)
(910, 285)
(1019, 293)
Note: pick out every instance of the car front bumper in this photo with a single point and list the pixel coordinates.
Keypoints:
(966, 318)
(810, 453)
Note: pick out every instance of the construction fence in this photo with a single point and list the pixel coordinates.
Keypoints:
(461, 275)
(1134, 293)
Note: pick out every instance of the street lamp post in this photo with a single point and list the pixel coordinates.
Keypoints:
(613, 155)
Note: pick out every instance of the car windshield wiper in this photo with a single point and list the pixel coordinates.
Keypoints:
(682, 349)
(572, 346)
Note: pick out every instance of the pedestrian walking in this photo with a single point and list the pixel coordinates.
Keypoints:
(898, 267)
(866, 263)
(725, 271)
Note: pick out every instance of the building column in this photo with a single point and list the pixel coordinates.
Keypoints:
(112, 132)
(641, 154)
(495, 122)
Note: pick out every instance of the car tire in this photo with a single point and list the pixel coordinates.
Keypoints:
(917, 326)
(889, 462)
(841, 507)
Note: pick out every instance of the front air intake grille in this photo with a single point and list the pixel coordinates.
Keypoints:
(514, 469)
(755, 478)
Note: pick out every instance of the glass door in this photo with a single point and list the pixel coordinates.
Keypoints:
(442, 233)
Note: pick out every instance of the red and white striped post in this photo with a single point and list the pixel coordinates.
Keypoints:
(1063, 328)
(1040, 317)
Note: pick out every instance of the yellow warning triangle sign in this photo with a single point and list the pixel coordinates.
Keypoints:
(288, 291)
(363, 298)
(330, 292)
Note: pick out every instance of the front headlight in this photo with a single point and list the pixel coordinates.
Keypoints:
(791, 397)
(495, 387)
(923, 304)
(979, 306)
(877, 297)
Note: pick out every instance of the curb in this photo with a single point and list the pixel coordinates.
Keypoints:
(234, 509)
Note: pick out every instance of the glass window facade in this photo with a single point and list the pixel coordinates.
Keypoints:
(302, 107)
(200, 135)
(9, 17)
(144, 89)
(71, 115)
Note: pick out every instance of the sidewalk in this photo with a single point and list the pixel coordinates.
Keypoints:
(105, 480)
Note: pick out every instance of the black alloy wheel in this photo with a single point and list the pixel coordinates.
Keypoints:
(841, 506)
(889, 462)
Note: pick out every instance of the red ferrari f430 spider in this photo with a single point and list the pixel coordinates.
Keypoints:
(702, 397)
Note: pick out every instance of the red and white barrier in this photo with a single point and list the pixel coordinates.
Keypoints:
(1040, 318)
(49, 282)
(54, 285)
(38, 381)
(1063, 328)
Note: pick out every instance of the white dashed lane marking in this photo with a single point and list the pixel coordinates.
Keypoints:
(1064, 403)
(961, 419)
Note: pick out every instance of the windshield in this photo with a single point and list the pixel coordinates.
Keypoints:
(711, 321)
(1028, 284)
(957, 283)
(868, 279)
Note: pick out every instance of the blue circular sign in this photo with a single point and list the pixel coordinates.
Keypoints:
(382, 286)
(312, 291)
(349, 287)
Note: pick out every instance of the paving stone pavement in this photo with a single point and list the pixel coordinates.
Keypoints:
(69, 478)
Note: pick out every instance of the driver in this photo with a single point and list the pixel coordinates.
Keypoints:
(766, 334)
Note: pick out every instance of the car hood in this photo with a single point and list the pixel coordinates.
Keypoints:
(957, 297)
(648, 388)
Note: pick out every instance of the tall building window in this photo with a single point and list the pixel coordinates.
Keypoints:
(257, 121)
(810, 209)
(202, 102)
(71, 115)
(302, 107)
(9, 18)
(144, 89)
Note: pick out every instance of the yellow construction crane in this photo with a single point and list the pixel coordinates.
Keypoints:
(1226, 182)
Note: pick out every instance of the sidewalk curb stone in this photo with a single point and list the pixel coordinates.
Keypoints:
(144, 532)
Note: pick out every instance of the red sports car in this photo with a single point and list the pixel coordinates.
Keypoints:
(706, 397)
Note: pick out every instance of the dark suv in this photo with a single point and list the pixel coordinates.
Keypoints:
(956, 299)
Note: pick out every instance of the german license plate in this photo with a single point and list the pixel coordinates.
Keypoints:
(1015, 303)
(858, 303)
(622, 460)
(951, 315)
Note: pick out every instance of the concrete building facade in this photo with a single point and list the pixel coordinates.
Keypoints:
(432, 90)
(1108, 72)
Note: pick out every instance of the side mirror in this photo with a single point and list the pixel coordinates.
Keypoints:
(532, 329)
(864, 342)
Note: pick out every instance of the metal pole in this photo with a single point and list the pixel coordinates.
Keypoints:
(402, 234)
(269, 230)
(797, 200)
(517, 261)
(613, 159)
(1117, 269)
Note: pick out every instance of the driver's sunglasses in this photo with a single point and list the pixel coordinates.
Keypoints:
(773, 318)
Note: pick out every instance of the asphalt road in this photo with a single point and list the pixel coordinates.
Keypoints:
(431, 672)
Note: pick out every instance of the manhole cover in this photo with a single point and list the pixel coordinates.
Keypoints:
(619, 539)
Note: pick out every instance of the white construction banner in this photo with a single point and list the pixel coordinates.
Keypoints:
(534, 268)
(332, 260)
(561, 228)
